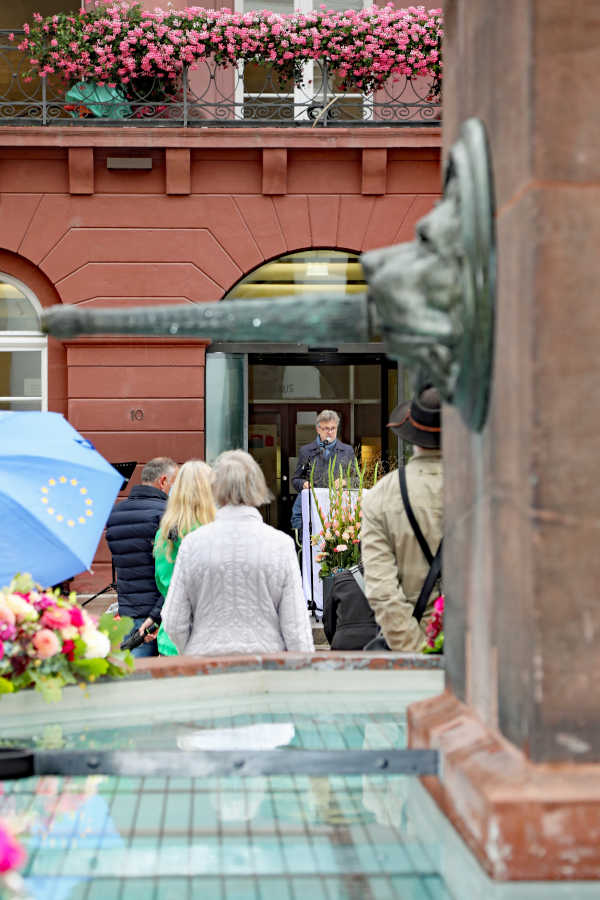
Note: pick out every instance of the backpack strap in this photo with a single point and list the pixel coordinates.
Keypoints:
(356, 572)
(435, 570)
(411, 517)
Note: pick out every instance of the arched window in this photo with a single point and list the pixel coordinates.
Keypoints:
(23, 349)
(307, 270)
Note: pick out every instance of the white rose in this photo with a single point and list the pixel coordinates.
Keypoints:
(22, 610)
(97, 645)
(69, 633)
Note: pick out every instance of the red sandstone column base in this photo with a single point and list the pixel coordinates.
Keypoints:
(523, 821)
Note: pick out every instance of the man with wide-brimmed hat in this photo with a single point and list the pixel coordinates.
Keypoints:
(395, 565)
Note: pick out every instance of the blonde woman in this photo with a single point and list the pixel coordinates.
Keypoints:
(190, 505)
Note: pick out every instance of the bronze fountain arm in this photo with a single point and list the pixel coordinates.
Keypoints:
(303, 319)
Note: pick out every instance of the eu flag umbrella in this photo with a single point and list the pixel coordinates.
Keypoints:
(56, 493)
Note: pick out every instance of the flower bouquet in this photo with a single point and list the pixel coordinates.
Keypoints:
(47, 641)
(339, 537)
(435, 628)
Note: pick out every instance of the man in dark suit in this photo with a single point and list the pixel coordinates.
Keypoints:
(320, 452)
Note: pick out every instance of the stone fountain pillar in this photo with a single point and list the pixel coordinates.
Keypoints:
(519, 725)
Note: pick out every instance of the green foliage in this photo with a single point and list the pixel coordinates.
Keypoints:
(6, 686)
(438, 645)
(115, 629)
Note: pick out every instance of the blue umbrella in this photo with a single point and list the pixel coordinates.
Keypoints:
(56, 493)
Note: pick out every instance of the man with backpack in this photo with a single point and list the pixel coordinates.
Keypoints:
(402, 529)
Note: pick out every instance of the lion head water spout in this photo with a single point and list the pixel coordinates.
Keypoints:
(432, 299)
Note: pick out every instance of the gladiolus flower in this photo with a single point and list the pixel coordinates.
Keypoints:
(340, 548)
(46, 643)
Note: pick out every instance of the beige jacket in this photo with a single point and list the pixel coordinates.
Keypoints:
(395, 567)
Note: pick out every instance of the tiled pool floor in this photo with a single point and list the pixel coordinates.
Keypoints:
(264, 837)
(277, 837)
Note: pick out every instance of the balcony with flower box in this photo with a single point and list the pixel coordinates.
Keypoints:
(377, 67)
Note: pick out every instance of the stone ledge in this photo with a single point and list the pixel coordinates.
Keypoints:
(166, 666)
(523, 821)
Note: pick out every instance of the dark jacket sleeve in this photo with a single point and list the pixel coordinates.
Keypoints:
(299, 476)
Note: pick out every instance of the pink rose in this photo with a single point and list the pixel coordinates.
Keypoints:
(439, 604)
(56, 617)
(7, 616)
(1, 649)
(76, 616)
(46, 643)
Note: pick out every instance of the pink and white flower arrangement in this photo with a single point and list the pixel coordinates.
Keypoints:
(47, 641)
(122, 44)
(339, 538)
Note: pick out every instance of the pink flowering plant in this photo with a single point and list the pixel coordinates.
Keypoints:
(435, 628)
(339, 538)
(12, 857)
(48, 641)
(119, 44)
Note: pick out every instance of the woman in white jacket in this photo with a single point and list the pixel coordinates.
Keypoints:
(236, 587)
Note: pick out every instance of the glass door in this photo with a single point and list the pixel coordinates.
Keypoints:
(226, 403)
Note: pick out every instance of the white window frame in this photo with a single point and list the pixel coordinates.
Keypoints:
(299, 95)
(20, 341)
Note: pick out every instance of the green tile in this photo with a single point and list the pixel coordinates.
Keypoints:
(171, 889)
(241, 889)
(177, 812)
(138, 889)
(206, 889)
(276, 889)
(103, 889)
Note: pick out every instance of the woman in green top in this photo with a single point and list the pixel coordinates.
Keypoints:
(190, 505)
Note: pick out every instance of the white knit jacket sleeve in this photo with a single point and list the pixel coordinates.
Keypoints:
(294, 619)
(177, 609)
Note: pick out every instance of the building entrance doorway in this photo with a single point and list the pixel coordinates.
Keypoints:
(285, 395)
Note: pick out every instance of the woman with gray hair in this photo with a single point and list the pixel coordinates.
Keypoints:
(236, 586)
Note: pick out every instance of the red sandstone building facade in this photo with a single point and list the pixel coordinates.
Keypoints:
(120, 215)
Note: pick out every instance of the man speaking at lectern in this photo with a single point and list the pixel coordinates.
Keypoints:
(320, 452)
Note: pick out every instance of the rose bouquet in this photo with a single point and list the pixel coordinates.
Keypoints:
(339, 537)
(435, 628)
(47, 641)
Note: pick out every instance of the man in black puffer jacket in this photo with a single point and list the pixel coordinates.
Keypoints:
(130, 534)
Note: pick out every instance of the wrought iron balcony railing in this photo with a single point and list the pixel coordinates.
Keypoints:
(241, 96)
